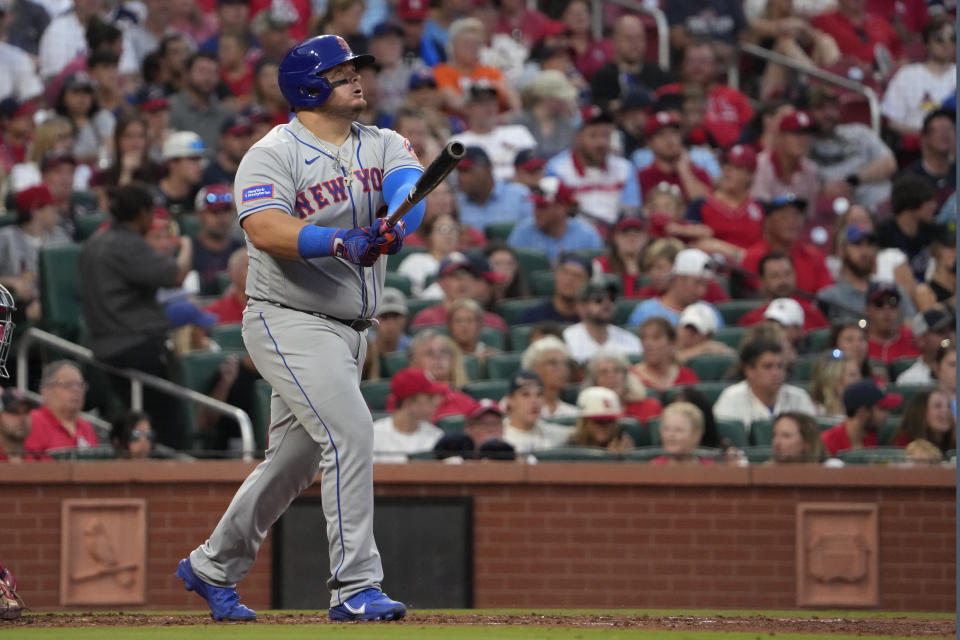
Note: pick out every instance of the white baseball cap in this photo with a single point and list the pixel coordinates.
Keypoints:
(183, 144)
(700, 316)
(599, 402)
(786, 311)
(692, 262)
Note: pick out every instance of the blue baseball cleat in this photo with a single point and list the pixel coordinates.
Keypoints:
(369, 604)
(224, 602)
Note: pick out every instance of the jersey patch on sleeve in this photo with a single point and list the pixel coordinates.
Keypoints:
(409, 148)
(256, 192)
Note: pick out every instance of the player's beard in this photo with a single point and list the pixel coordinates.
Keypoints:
(346, 110)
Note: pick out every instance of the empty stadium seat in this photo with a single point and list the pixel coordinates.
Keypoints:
(732, 310)
(712, 389)
(541, 283)
(393, 362)
(643, 454)
(732, 430)
(498, 231)
(416, 305)
(575, 454)
(624, 307)
(493, 389)
(513, 309)
(888, 431)
(228, 336)
(398, 281)
(818, 340)
(503, 365)
(730, 336)
(761, 433)
(531, 260)
(60, 290)
(520, 337)
(84, 226)
(711, 366)
(198, 371)
(375, 393)
(640, 433)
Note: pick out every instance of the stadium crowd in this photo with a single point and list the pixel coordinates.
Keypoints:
(632, 261)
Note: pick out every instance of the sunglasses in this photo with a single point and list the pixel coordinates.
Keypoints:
(600, 299)
(890, 301)
(219, 198)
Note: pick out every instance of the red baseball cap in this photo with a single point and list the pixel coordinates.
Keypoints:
(33, 197)
(410, 381)
(550, 190)
(796, 122)
(592, 114)
(413, 9)
(743, 156)
(485, 405)
(214, 197)
(630, 223)
(661, 120)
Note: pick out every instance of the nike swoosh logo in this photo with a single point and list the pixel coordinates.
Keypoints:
(357, 612)
(309, 162)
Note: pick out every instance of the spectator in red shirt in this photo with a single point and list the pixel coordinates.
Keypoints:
(671, 161)
(625, 246)
(867, 409)
(437, 354)
(57, 424)
(660, 369)
(681, 429)
(796, 438)
(781, 232)
(459, 277)
(728, 110)
(730, 211)
(229, 307)
(15, 411)
(236, 70)
(778, 279)
(888, 339)
(858, 32)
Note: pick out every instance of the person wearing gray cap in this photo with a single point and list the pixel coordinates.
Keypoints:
(15, 411)
(523, 428)
(930, 329)
(388, 336)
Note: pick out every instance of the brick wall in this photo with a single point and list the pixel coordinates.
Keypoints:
(550, 535)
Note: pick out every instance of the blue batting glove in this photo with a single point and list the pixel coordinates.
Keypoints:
(358, 246)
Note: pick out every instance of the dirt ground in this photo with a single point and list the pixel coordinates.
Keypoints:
(917, 627)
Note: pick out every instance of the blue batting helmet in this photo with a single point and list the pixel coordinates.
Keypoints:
(300, 70)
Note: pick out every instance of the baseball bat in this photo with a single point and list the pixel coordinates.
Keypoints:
(439, 169)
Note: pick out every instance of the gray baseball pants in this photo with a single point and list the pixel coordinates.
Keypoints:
(318, 419)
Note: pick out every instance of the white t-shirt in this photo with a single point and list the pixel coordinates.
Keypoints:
(914, 92)
(418, 267)
(20, 78)
(582, 347)
(917, 373)
(544, 435)
(563, 410)
(502, 145)
(389, 445)
(737, 402)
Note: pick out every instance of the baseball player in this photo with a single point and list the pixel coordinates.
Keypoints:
(310, 195)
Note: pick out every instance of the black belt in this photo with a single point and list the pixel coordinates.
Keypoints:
(357, 324)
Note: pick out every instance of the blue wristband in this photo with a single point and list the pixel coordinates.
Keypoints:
(315, 242)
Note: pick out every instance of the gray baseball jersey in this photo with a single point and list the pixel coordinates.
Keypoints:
(290, 170)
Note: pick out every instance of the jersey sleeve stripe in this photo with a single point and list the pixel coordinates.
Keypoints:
(269, 205)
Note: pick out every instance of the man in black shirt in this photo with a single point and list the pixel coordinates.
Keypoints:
(628, 72)
(570, 276)
(911, 229)
(937, 163)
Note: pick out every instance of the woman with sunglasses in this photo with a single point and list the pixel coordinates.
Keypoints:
(132, 436)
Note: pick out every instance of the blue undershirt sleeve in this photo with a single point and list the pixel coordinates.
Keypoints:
(396, 186)
(316, 242)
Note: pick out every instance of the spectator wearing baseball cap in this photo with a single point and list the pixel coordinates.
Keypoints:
(15, 411)
(523, 427)
(596, 331)
(16, 123)
(691, 273)
(930, 329)
(598, 422)
(606, 184)
(763, 393)
(214, 241)
(784, 216)
(730, 211)
(551, 114)
(569, 278)
(92, 125)
(695, 329)
(788, 313)
(37, 227)
(786, 166)
(887, 337)
(552, 229)
(416, 396)
(389, 336)
(183, 155)
(483, 199)
(778, 279)
(671, 160)
(500, 141)
(236, 137)
(867, 409)
(460, 277)
(528, 168)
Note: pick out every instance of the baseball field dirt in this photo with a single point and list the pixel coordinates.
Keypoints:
(499, 625)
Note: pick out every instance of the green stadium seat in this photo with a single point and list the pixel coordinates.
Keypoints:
(643, 454)
(503, 365)
(711, 366)
(712, 389)
(452, 423)
(730, 336)
(571, 392)
(493, 337)
(732, 310)
(198, 371)
(189, 225)
(393, 261)
(564, 421)
(375, 393)
(101, 452)
(758, 454)
(531, 260)
(624, 307)
(889, 431)
(228, 336)
(761, 433)
(641, 434)
(826, 422)
(84, 226)
(262, 393)
(8, 219)
(416, 305)
(873, 455)
(398, 281)
(60, 290)
(802, 369)
(574, 453)
(393, 362)
(493, 389)
(818, 340)
(379, 415)
(422, 455)
(653, 431)
(520, 337)
(900, 365)
(472, 367)
(513, 309)
(542, 283)
(908, 391)
(732, 430)
(222, 281)
(590, 254)
(498, 231)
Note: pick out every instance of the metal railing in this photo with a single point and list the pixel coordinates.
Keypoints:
(659, 17)
(138, 380)
(733, 77)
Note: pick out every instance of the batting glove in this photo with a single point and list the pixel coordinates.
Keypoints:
(359, 246)
(390, 239)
